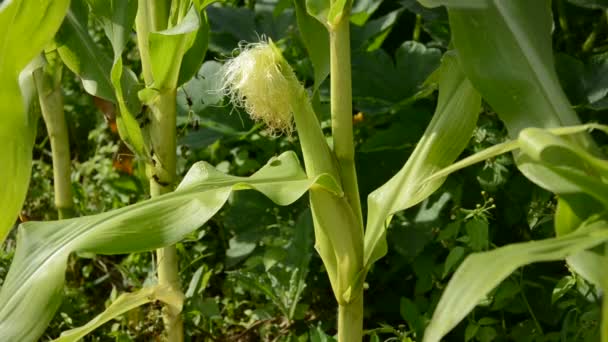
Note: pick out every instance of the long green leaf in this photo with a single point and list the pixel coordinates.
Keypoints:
(116, 17)
(122, 304)
(316, 40)
(82, 55)
(505, 50)
(194, 57)
(564, 168)
(26, 27)
(167, 49)
(444, 139)
(481, 272)
(561, 166)
(32, 289)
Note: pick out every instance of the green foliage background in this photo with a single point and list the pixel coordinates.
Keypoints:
(251, 274)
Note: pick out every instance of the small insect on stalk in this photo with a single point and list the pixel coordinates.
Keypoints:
(143, 119)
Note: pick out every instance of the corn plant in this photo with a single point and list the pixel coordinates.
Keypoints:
(551, 148)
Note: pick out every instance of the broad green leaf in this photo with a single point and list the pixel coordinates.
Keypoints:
(101, 75)
(508, 146)
(81, 55)
(199, 101)
(116, 17)
(318, 9)
(362, 10)
(505, 49)
(32, 290)
(128, 105)
(401, 82)
(561, 166)
(371, 36)
(167, 48)
(26, 27)
(453, 258)
(122, 304)
(444, 139)
(316, 40)
(337, 10)
(194, 57)
(481, 272)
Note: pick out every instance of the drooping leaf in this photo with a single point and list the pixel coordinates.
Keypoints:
(444, 139)
(31, 292)
(116, 17)
(38, 21)
(103, 76)
(505, 49)
(481, 272)
(122, 304)
(82, 55)
(561, 166)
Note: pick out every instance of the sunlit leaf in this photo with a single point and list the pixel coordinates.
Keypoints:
(26, 27)
(122, 304)
(167, 48)
(32, 290)
(481, 272)
(82, 55)
(444, 139)
(316, 41)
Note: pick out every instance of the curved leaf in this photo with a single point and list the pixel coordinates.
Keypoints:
(82, 55)
(505, 50)
(167, 48)
(444, 139)
(194, 57)
(316, 40)
(481, 272)
(122, 304)
(32, 289)
(38, 21)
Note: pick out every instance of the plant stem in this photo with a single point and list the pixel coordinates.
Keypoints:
(416, 34)
(342, 111)
(350, 314)
(51, 105)
(153, 16)
(339, 238)
(163, 139)
(350, 319)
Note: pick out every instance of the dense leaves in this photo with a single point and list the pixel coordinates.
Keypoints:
(250, 273)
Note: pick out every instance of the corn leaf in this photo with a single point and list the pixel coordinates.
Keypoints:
(505, 50)
(32, 289)
(564, 168)
(316, 40)
(195, 55)
(481, 272)
(82, 55)
(122, 304)
(38, 21)
(444, 139)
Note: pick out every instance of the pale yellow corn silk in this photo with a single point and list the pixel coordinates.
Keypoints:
(256, 80)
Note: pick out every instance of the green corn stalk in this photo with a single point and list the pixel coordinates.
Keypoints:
(48, 84)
